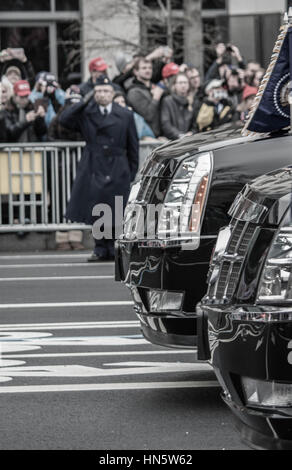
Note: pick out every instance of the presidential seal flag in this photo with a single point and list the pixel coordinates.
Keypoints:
(271, 109)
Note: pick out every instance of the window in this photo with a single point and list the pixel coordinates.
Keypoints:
(157, 36)
(34, 40)
(38, 5)
(67, 5)
(48, 31)
(175, 4)
(214, 4)
(25, 5)
(69, 50)
(178, 4)
(215, 30)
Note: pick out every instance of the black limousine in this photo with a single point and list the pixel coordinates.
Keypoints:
(246, 314)
(164, 258)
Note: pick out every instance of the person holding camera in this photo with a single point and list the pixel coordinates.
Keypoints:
(48, 93)
(226, 54)
(216, 108)
(24, 122)
(234, 86)
(160, 56)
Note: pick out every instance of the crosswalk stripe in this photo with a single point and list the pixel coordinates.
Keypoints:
(54, 265)
(111, 303)
(103, 353)
(54, 278)
(69, 325)
(108, 386)
(43, 256)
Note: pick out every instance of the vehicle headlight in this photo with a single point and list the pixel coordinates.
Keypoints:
(276, 280)
(133, 216)
(181, 213)
(267, 393)
(134, 191)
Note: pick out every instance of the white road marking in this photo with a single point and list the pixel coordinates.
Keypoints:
(75, 341)
(76, 370)
(55, 265)
(14, 347)
(6, 363)
(55, 278)
(106, 353)
(70, 325)
(108, 387)
(43, 256)
(20, 336)
(112, 303)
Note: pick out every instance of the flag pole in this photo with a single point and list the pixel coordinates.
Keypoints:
(288, 20)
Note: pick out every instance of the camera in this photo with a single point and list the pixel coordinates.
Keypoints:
(50, 79)
(229, 48)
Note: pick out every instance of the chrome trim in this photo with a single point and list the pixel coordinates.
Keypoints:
(224, 264)
(260, 314)
(239, 212)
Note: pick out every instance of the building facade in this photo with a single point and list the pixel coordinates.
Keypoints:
(63, 35)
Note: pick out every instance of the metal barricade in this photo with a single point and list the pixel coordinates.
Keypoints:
(36, 182)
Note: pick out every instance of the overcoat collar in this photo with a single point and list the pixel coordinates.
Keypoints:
(95, 115)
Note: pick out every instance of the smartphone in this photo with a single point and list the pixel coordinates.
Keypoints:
(17, 52)
(166, 50)
(41, 102)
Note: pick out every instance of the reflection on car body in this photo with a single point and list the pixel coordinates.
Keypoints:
(247, 312)
(166, 271)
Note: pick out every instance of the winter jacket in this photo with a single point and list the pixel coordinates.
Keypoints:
(3, 132)
(58, 132)
(20, 130)
(55, 102)
(212, 115)
(176, 118)
(141, 100)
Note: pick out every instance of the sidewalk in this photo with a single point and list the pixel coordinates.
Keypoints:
(36, 241)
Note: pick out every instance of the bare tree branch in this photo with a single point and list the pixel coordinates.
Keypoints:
(162, 7)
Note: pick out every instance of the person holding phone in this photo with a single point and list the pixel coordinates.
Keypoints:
(23, 122)
(15, 65)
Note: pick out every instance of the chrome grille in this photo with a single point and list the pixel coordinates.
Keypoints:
(147, 187)
(222, 288)
(237, 230)
(242, 249)
(146, 194)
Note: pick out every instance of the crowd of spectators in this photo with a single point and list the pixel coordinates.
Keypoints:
(168, 100)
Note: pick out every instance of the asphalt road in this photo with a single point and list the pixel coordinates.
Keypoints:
(76, 373)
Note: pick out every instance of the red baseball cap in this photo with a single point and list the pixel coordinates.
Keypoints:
(97, 64)
(21, 88)
(249, 91)
(169, 70)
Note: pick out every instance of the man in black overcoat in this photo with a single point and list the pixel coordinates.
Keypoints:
(110, 159)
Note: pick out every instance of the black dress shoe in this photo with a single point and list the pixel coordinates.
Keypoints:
(94, 258)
